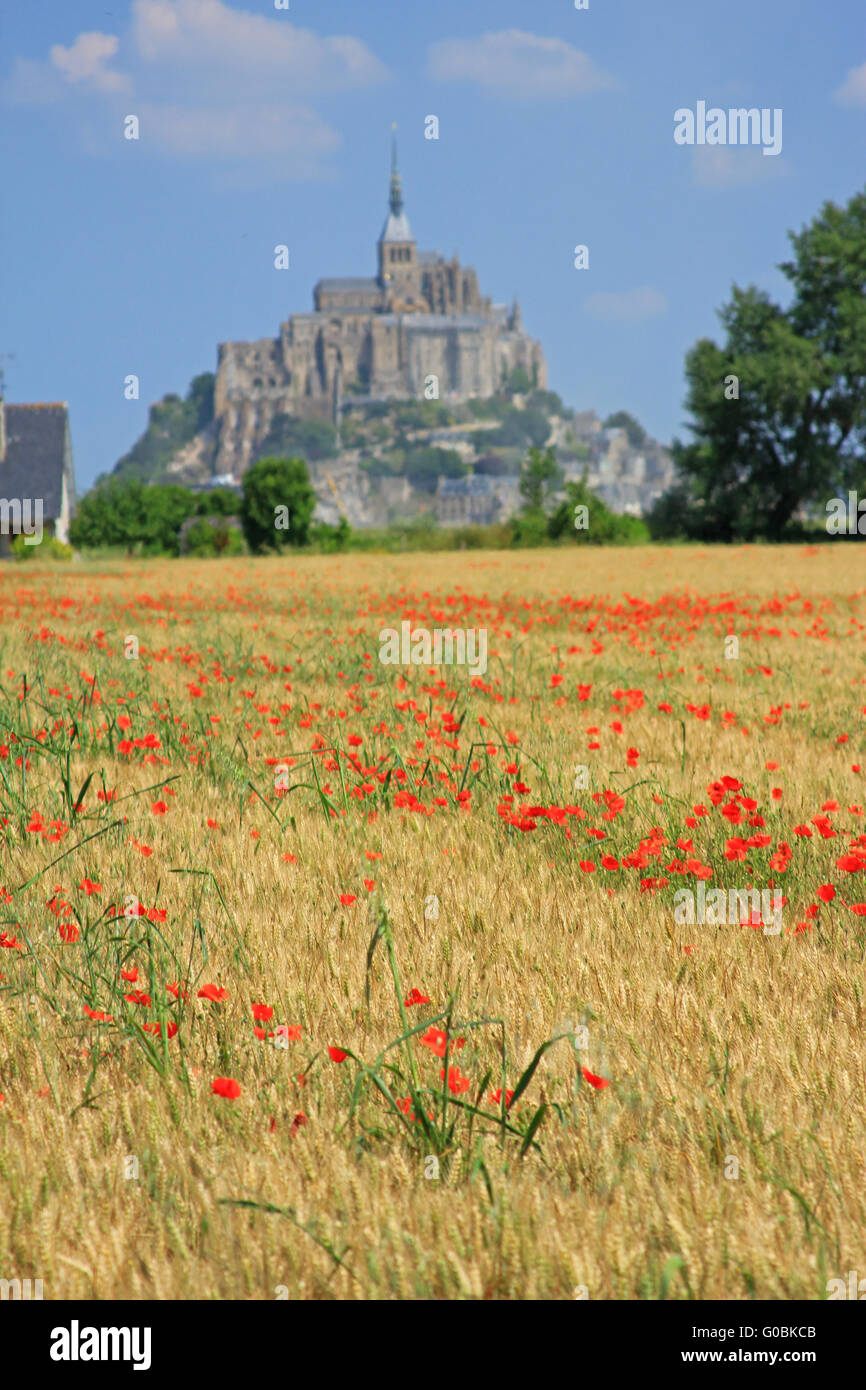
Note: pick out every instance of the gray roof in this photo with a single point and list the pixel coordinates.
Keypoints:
(35, 455)
(396, 228)
(477, 485)
(434, 323)
(356, 282)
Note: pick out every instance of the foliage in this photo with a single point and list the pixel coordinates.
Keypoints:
(424, 466)
(796, 431)
(124, 511)
(271, 484)
(172, 422)
(291, 436)
(49, 548)
(603, 526)
(218, 501)
(213, 535)
(620, 419)
(540, 476)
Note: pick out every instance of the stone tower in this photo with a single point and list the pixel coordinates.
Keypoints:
(399, 271)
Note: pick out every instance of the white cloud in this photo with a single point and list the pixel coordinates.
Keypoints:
(209, 82)
(514, 63)
(294, 135)
(209, 37)
(83, 63)
(626, 305)
(734, 166)
(853, 89)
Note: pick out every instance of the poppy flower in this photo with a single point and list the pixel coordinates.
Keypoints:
(598, 1082)
(138, 996)
(336, 1054)
(495, 1097)
(415, 997)
(299, 1120)
(159, 808)
(98, 1015)
(457, 1083)
(213, 992)
(156, 1028)
(826, 892)
(226, 1086)
(263, 1012)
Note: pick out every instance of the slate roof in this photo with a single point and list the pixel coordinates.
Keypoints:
(349, 283)
(35, 454)
(476, 485)
(396, 228)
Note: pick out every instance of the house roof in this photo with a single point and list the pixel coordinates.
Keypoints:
(350, 282)
(35, 454)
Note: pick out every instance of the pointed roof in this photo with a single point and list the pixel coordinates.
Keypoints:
(396, 226)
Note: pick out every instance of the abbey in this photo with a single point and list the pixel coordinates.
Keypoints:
(418, 328)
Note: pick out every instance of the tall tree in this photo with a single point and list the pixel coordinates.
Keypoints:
(278, 504)
(779, 412)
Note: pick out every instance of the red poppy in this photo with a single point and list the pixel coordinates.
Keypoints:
(213, 992)
(826, 892)
(336, 1054)
(346, 899)
(156, 1029)
(97, 1015)
(415, 997)
(263, 1012)
(599, 1082)
(138, 996)
(159, 808)
(226, 1086)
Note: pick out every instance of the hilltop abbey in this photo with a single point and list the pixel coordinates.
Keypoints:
(419, 328)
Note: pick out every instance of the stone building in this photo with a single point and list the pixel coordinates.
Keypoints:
(36, 474)
(420, 328)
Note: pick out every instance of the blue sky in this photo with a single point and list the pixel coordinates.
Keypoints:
(261, 126)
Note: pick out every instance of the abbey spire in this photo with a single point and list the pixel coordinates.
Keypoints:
(398, 253)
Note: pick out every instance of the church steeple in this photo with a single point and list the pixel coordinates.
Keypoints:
(399, 273)
(395, 200)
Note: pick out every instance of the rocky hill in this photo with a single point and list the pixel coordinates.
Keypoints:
(393, 459)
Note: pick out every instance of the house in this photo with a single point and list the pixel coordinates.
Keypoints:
(476, 500)
(37, 484)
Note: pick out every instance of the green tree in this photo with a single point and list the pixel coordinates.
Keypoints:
(792, 428)
(218, 501)
(603, 526)
(212, 535)
(272, 484)
(424, 466)
(621, 420)
(124, 511)
(291, 436)
(540, 476)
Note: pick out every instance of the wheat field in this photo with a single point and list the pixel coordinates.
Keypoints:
(255, 883)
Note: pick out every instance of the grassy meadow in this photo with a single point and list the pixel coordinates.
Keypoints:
(324, 978)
